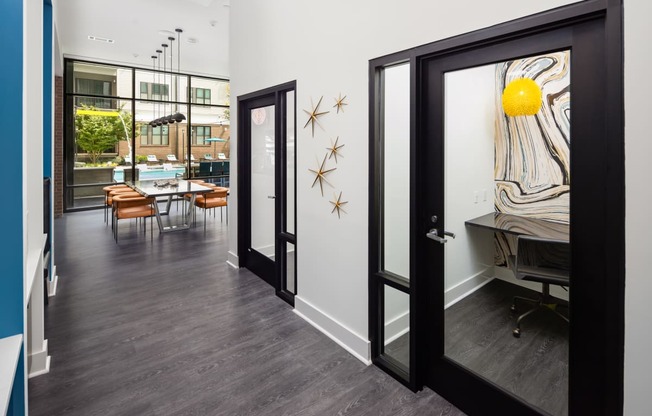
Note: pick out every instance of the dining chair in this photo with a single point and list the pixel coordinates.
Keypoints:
(216, 198)
(107, 202)
(132, 207)
(542, 260)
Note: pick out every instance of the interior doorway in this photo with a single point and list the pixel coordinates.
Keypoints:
(455, 184)
(267, 182)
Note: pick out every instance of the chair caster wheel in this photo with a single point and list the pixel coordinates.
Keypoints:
(516, 332)
(513, 307)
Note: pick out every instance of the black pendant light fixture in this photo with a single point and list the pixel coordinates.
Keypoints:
(175, 117)
(157, 121)
(163, 119)
(153, 122)
(169, 118)
(178, 117)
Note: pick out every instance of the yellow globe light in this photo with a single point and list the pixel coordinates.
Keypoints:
(522, 97)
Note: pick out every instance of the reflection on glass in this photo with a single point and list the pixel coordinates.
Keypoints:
(396, 342)
(499, 163)
(289, 169)
(262, 180)
(396, 158)
(290, 266)
(97, 79)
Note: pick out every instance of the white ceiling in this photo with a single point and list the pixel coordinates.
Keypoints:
(139, 27)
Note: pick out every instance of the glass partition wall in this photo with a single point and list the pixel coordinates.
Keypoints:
(108, 138)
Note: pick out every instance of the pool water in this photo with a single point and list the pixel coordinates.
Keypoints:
(150, 173)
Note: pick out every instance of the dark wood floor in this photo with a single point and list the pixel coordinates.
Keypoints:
(534, 366)
(163, 326)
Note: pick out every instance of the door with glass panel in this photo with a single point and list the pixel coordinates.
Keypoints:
(476, 234)
(266, 232)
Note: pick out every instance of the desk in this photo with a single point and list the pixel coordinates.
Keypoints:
(149, 189)
(518, 225)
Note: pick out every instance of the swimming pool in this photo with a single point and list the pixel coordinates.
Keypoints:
(155, 172)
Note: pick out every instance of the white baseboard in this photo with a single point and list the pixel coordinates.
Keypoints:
(467, 286)
(39, 361)
(232, 260)
(503, 273)
(358, 346)
(52, 284)
(397, 327)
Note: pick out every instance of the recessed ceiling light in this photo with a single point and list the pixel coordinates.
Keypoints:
(99, 39)
(165, 32)
(192, 40)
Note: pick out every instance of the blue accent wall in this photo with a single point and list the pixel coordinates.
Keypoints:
(11, 106)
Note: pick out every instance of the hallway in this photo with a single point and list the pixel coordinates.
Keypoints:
(163, 326)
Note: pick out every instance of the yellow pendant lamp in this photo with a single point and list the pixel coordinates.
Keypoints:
(521, 97)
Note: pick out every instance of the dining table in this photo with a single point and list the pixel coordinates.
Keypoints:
(170, 188)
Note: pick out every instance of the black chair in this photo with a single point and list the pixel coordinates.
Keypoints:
(545, 261)
(204, 169)
(217, 168)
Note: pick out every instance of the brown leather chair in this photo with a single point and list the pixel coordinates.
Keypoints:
(107, 190)
(217, 198)
(127, 192)
(129, 206)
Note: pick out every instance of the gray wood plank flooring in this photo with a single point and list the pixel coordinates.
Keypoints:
(164, 326)
(534, 366)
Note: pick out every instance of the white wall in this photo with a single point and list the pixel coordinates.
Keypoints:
(33, 126)
(470, 118)
(638, 227)
(326, 47)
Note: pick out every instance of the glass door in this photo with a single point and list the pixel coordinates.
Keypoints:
(267, 231)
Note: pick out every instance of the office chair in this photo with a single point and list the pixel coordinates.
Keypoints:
(545, 261)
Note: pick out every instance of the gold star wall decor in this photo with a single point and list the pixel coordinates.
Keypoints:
(313, 115)
(337, 204)
(334, 150)
(339, 103)
(320, 174)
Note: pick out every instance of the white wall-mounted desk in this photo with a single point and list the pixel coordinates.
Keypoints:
(9, 353)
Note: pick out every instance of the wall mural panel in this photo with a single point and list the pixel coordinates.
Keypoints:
(532, 166)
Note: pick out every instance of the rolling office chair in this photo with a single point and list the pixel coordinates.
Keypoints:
(545, 261)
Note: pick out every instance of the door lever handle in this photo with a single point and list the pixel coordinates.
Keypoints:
(433, 235)
(271, 197)
(448, 233)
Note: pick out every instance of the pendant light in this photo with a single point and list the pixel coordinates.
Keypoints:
(163, 119)
(521, 97)
(153, 122)
(169, 117)
(178, 117)
(157, 122)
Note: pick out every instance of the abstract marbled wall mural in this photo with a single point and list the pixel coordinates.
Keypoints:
(532, 168)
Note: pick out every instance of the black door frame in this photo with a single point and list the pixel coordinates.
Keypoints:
(597, 216)
(273, 272)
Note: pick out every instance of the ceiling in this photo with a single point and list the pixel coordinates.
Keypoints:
(139, 27)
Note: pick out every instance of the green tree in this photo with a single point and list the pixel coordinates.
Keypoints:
(96, 133)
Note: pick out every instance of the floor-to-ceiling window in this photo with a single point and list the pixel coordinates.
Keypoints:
(108, 136)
